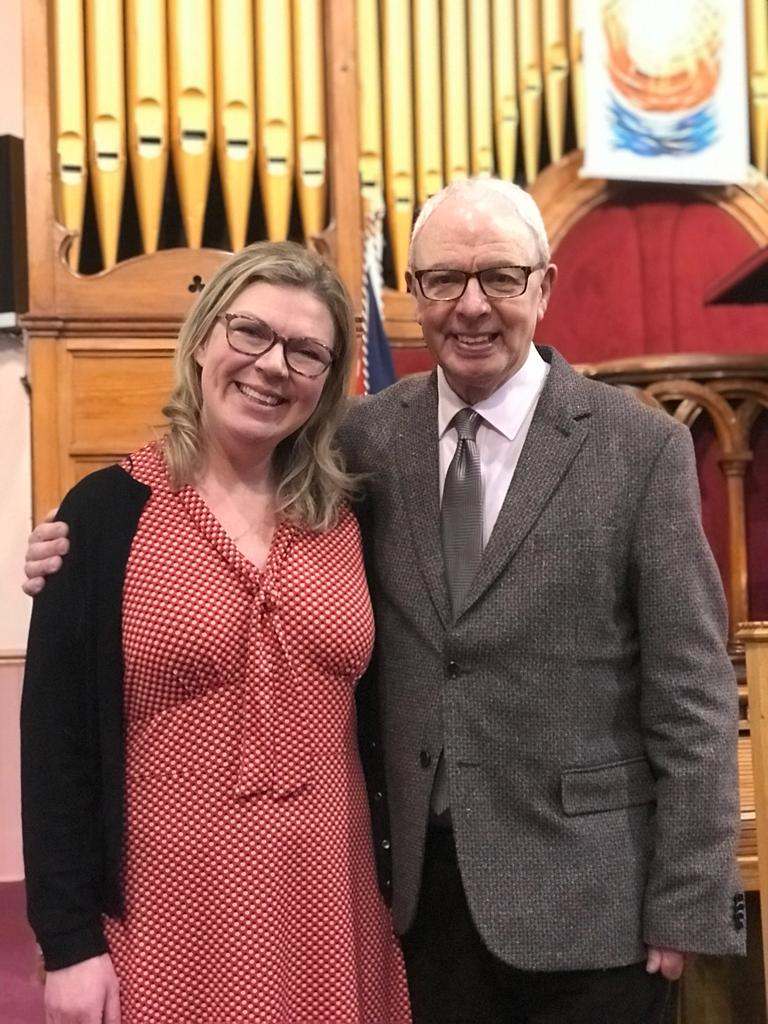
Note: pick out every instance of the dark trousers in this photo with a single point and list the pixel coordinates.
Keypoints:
(454, 979)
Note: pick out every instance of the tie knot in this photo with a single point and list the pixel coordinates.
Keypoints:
(466, 421)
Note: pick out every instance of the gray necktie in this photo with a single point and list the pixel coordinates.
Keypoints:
(461, 522)
(461, 512)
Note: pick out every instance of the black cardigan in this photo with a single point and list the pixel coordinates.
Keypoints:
(72, 741)
(72, 745)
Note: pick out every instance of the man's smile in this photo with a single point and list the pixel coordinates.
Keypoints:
(477, 343)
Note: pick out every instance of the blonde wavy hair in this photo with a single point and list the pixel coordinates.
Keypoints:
(312, 481)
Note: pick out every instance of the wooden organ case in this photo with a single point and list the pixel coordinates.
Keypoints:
(158, 138)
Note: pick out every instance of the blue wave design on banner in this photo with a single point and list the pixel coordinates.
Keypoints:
(689, 134)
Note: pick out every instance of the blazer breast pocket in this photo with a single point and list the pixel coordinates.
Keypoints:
(607, 787)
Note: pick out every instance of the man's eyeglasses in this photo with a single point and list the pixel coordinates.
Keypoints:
(251, 336)
(495, 282)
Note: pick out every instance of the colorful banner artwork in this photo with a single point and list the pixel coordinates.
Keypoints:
(666, 90)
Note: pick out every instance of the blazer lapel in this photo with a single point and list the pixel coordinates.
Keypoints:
(419, 461)
(559, 427)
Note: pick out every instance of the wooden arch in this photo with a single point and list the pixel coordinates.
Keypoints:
(564, 198)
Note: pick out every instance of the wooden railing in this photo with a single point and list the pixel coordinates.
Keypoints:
(732, 392)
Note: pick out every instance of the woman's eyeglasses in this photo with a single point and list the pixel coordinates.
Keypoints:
(251, 336)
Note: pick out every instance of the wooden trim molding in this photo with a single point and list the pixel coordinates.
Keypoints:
(154, 289)
(640, 370)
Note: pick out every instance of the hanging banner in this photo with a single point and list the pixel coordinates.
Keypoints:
(666, 90)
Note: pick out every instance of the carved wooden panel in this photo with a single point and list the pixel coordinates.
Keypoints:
(732, 392)
(103, 399)
(115, 393)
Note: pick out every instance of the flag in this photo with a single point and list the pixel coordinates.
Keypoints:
(377, 369)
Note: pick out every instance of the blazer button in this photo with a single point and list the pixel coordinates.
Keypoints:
(425, 759)
(385, 844)
(378, 796)
(452, 669)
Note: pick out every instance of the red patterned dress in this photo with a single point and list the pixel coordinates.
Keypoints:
(249, 881)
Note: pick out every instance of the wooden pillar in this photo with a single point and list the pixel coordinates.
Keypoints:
(344, 156)
(38, 165)
(754, 636)
(734, 469)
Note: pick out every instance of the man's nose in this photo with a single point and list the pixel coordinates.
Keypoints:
(474, 302)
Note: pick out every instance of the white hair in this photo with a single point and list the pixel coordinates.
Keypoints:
(477, 189)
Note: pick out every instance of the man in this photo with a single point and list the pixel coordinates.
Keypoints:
(558, 711)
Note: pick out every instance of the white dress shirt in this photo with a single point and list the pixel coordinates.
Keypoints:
(507, 415)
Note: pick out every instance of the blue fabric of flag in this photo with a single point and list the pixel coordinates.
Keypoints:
(378, 357)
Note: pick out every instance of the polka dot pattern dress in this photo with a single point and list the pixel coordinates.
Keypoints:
(249, 883)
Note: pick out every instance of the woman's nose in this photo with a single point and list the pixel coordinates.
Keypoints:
(273, 363)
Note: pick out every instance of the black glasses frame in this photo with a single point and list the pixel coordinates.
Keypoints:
(281, 338)
(478, 274)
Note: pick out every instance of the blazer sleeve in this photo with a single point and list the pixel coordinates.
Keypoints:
(60, 763)
(689, 713)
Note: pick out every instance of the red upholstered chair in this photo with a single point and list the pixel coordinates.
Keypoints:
(634, 277)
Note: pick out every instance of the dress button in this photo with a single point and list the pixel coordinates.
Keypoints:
(385, 844)
(452, 669)
(425, 759)
(378, 796)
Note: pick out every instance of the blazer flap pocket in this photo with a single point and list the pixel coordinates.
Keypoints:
(606, 787)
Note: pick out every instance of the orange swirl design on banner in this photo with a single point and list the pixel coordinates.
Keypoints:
(675, 81)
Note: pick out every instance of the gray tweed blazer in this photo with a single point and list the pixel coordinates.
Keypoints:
(583, 692)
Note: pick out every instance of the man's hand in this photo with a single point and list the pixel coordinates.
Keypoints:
(47, 543)
(669, 962)
(86, 993)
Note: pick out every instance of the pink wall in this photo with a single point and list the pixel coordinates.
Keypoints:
(11, 867)
(11, 108)
(15, 494)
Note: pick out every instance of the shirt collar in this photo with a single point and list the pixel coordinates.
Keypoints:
(506, 409)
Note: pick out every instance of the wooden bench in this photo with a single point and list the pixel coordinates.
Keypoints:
(747, 848)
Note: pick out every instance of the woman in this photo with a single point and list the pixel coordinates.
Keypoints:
(195, 820)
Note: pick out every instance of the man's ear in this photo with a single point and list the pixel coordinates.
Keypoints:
(547, 284)
(413, 288)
